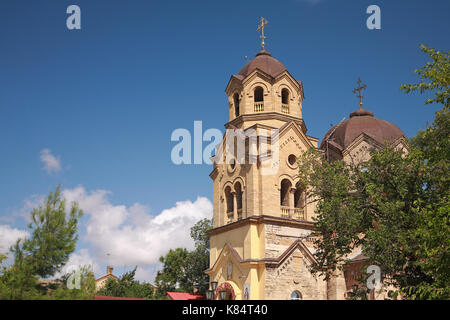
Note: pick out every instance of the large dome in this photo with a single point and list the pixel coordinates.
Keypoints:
(264, 62)
(362, 121)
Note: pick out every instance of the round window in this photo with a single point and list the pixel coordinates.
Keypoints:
(292, 159)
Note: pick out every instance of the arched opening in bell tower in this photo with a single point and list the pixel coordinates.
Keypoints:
(259, 94)
(258, 99)
(299, 203)
(238, 189)
(236, 104)
(284, 193)
(285, 100)
(229, 199)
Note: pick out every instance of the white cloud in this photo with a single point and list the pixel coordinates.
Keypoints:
(143, 275)
(9, 236)
(131, 235)
(51, 163)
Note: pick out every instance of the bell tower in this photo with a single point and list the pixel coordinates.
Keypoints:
(260, 243)
(264, 87)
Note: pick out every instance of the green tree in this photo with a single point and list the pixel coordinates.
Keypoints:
(2, 285)
(394, 207)
(434, 77)
(198, 259)
(183, 270)
(84, 277)
(433, 146)
(45, 252)
(172, 277)
(127, 286)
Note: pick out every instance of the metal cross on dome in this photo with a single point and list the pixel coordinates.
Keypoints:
(358, 89)
(263, 23)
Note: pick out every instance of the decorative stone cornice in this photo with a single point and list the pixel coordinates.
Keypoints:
(309, 225)
(271, 262)
(266, 116)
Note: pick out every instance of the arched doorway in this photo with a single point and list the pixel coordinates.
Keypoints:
(230, 294)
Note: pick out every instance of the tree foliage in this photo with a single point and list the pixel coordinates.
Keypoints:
(53, 238)
(127, 286)
(198, 259)
(394, 206)
(183, 270)
(172, 277)
(85, 291)
(44, 253)
(434, 75)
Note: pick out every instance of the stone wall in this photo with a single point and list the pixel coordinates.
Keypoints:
(292, 273)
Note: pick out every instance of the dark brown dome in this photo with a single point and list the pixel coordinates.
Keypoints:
(264, 62)
(362, 121)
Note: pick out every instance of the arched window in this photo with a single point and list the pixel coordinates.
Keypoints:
(299, 204)
(229, 199)
(259, 94)
(259, 99)
(236, 104)
(296, 295)
(238, 189)
(285, 100)
(285, 96)
(299, 198)
(284, 193)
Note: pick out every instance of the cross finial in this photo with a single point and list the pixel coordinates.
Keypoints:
(263, 23)
(358, 90)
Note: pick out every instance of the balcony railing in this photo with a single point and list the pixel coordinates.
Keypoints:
(299, 213)
(285, 212)
(259, 106)
(293, 213)
(239, 212)
(285, 108)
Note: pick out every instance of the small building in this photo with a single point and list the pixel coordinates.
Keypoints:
(100, 282)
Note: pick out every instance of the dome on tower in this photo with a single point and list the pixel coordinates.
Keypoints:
(264, 62)
(361, 121)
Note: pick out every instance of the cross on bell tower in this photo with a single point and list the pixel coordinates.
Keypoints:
(263, 23)
(358, 90)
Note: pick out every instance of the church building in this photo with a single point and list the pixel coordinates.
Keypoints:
(260, 244)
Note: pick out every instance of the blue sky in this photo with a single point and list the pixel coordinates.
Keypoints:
(104, 100)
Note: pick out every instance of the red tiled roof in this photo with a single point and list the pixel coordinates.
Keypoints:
(117, 298)
(184, 296)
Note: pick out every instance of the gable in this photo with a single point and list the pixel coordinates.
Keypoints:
(292, 132)
(296, 245)
(227, 254)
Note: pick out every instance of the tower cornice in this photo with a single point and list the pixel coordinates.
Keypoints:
(307, 225)
(266, 116)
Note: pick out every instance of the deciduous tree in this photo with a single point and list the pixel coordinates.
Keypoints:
(394, 207)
